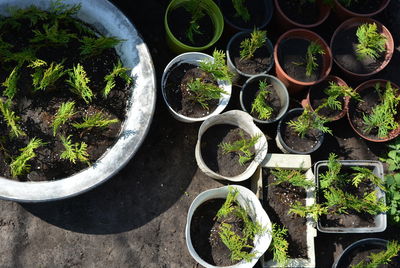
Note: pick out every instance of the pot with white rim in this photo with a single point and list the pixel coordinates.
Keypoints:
(249, 92)
(193, 59)
(238, 119)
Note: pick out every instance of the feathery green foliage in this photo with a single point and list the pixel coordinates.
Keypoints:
(370, 43)
(74, 151)
(292, 176)
(383, 257)
(19, 165)
(313, 50)
(241, 10)
(279, 245)
(96, 120)
(45, 78)
(383, 115)
(217, 67)
(11, 119)
(314, 211)
(64, 113)
(202, 92)
(229, 205)
(249, 45)
(193, 7)
(31, 14)
(336, 92)
(93, 46)
(78, 80)
(11, 84)
(52, 35)
(60, 10)
(25, 55)
(260, 105)
(308, 121)
(241, 147)
(118, 71)
(333, 174)
(365, 174)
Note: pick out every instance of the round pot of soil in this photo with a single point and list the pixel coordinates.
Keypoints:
(178, 75)
(265, 98)
(192, 25)
(302, 58)
(369, 252)
(366, 9)
(318, 98)
(38, 151)
(246, 15)
(243, 59)
(290, 141)
(230, 146)
(293, 14)
(362, 47)
(375, 117)
(206, 220)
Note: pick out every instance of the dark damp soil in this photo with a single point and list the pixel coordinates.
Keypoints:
(213, 156)
(178, 96)
(261, 62)
(367, 6)
(344, 51)
(204, 232)
(272, 99)
(292, 58)
(318, 97)
(37, 109)
(307, 13)
(277, 202)
(257, 10)
(179, 22)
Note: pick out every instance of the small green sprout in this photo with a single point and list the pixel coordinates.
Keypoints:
(52, 35)
(279, 245)
(313, 50)
(260, 105)
(19, 165)
(118, 71)
(11, 84)
(383, 257)
(292, 176)
(93, 46)
(32, 14)
(335, 92)
(11, 119)
(249, 45)
(333, 174)
(202, 92)
(79, 81)
(370, 43)
(217, 67)
(64, 113)
(193, 7)
(241, 147)
(314, 211)
(96, 120)
(241, 10)
(74, 151)
(308, 121)
(45, 78)
(60, 10)
(365, 174)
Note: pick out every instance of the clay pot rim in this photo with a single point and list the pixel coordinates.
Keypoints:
(355, 14)
(297, 33)
(385, 31)
(300, 25)
(392, 134)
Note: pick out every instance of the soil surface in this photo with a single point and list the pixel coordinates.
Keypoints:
(318, 97)
(292, 58)
(225, 164)
(307, 13)
(257, 18)
(367, 6)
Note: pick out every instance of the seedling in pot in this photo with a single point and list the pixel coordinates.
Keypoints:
(45, 78)
(19, 165)
(279, 244)
(64, 113)
(193, 7)
(382, 118)
(11, 119)
(336, 92)
(260, 105)
(78, 80)
(380, 258)
(241, 10)
(218, 67)
(203, 92)
(74, 151)
(310, 62)
(93, 46)
(241, 147)
(11, 84)
(370, 42)
(51, 36)
(292, 176)
(118, 71)
(98, 120)
(249, 45)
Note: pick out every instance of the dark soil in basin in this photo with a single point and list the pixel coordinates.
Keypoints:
(213, 156)
(307, 13)
(318, 97)
(367, 6)
(292, 58)
(254, 7)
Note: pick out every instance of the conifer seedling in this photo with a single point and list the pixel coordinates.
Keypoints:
(336, 92)
(260, 105)
(218, 67)
(370, 42)
(78, 80)
(203, 92)
(44, 78)
(193, 7)
(118, 71)
(383, 257)
(241, 147)
(98, 120)
(64, 113)
(19, 165)
(313, 50)
(307, 121)
(241, 10)
(279, 245)
(74, 151)
(52, 35)
(93, 46)
(249, 45)
(11, 119)
(292, 176)
(11, 84)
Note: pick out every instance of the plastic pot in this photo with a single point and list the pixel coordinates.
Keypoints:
(246, 94)
(355, 22)
(247, 200)
(244, 121)
(109, 21)
(344, 259)
(193, 58)
(266, 9)
(287, 23)
(312, 90)
(293, 85)
(379, 220)
(238, 37)
(343, 13)
(368, 84)
(211, 9)
(281, 143)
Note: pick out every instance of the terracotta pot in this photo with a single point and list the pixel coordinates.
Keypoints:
(368, 84)
(355, 22)
(285, 22)
(307, 101)
(343, 13)
(293, 85)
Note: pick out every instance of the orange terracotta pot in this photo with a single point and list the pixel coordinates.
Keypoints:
(343, 13)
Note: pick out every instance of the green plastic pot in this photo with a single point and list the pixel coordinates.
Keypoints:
(211, 9)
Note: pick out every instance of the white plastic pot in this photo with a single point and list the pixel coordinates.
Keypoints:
(244, 121)
(247, 200)
(193, 58)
